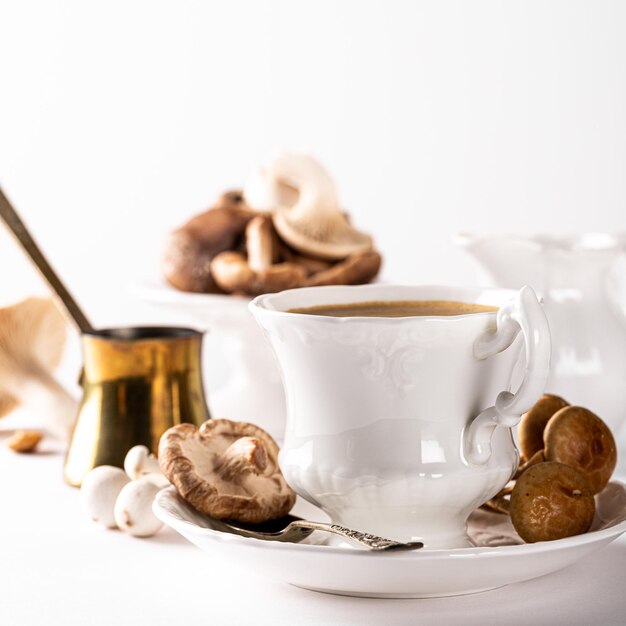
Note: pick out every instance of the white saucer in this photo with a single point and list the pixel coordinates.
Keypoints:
(500, 560)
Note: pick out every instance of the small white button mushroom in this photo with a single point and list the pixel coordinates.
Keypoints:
(99, 493)
(140, 463)
(133, 508)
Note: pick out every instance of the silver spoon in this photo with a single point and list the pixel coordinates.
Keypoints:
(295, 529)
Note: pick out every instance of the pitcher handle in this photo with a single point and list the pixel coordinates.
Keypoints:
(523, 313)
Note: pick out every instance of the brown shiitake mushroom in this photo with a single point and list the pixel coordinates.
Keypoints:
(232, 199)
(551, 501)
(533, 423)
(285, 230)
(191, 248)
(227, 470)
(552, 496)
(232, 273)
(577, 437)
(258, 272)
(360, 267)
(311, 264)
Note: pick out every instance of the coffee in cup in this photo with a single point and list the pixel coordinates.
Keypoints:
(396, 308)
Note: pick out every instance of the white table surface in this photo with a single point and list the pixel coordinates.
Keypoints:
(59, 569)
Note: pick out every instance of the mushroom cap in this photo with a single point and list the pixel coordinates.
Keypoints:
(551, 501)
(139, 462)
(99, 491)
(533, 423)
(309, 263)
(264, 193)
(133, 508)
(310, 221)
(358, 268)
(232, 199)
(191, 248)
(226, 470)
(579, 438)
(135, 461)
(233, 274)
(32, 337)
(327, 236)
(262, 243)
(279, 277)
(260, 272)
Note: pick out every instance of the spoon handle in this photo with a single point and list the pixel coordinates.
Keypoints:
(20, 232)
(372, 542)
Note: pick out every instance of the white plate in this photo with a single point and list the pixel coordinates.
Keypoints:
(500, 560)
(212, 305)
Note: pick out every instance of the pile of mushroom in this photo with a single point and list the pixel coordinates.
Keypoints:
(226, 470)
(32, 338)
(286, 229)
(117, 498)
(568, 455)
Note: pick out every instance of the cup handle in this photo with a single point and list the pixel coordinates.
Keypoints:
(523, 313)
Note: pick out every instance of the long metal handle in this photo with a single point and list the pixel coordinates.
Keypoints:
(19, 230)
(372, 542)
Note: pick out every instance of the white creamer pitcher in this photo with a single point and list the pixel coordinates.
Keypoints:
(402, 426)
(584, 299)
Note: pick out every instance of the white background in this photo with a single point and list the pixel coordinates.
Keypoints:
(119, 120)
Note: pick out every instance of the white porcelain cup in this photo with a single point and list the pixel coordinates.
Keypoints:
(402, 426)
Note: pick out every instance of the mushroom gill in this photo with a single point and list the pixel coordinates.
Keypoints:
(311, 222)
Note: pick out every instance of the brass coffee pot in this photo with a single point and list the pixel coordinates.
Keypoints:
(137, 382)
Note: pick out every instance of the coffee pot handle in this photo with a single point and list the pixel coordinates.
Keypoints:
(524, 312)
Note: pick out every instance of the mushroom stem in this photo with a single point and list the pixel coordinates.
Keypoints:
(315, 187)
(538, 457)
(233, 274)
(140, 463)
(261, 243)
(500, 502)
(246, 455)
(497, 504)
